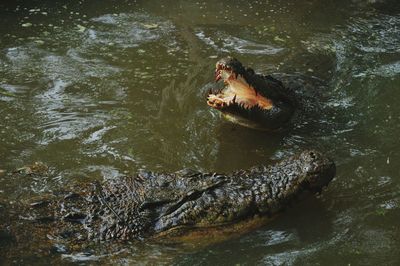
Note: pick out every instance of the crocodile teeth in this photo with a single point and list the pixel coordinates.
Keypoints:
(217, 76)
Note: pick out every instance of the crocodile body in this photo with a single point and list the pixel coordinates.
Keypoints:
(152, 204)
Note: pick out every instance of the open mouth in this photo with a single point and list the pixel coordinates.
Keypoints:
(250, 99)
(237, 91)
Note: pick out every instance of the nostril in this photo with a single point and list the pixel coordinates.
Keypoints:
(312, 155)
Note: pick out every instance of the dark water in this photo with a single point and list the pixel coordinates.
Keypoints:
(96, 89)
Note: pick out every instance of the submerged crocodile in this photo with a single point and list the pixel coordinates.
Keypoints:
(251, 99)
(151, 205)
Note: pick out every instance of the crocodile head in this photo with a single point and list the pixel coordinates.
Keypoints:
(248, 98)
(318, 170)
(307, 171)
(241, 196)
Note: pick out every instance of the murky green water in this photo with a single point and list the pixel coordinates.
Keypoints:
(96, 89)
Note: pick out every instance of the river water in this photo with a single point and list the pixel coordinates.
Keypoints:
(97, 89)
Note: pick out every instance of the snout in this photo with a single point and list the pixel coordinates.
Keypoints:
(320, 170)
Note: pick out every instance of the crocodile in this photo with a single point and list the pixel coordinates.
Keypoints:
(151, 205)
(250, 99)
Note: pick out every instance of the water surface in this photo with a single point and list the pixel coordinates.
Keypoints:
(96, 90)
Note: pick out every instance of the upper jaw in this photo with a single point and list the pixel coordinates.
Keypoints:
(222, 71)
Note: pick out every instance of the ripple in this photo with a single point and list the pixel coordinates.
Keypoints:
(82, 257)
(273, 237)
(97, 135)
(361, 47)
(285, 258)
(32, 62)
(126, 29)
(345, 103)
(8, 92)
(66, 116)
(390, 204)
(224, 42)
(388, 70)
(377, 35)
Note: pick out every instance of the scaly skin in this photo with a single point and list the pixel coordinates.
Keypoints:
(251, 99)
(151, 204)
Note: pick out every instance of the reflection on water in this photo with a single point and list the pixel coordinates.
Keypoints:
(96, 90)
